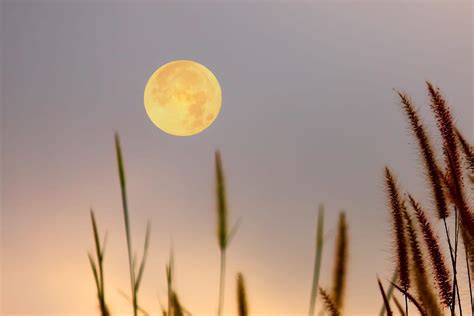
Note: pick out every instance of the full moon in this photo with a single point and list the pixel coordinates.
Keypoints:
(182, 98)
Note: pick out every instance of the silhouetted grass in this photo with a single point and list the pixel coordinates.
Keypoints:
(242, 303)
(396, 209)
(340, 262)
(427, 153)
(317, 259)
(414, 235)
(389, 292)
(441, 272)
(419, 271)
(135, 276)
(224, 236)
(98, 267)
(386, 302)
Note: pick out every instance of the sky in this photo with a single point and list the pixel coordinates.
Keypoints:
(308, 116)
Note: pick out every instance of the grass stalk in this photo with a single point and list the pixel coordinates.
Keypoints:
(135, 276)
(222, 282)
(317, 260)
(98, 268)
(123, 190)
(223, 235)
(399, 306)
(412, 299)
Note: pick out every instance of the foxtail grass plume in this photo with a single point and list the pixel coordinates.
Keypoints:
(427, 153)
(441, 272)
(340, 262)
(242, 303)
(452, 158)
(396, 210)
(419, 271)
(329, 304)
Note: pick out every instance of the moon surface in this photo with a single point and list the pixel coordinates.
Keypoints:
(182, 98)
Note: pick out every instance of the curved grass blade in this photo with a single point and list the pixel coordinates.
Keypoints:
(385, 299)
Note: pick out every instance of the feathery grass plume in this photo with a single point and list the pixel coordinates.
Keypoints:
(241, 296)
(98, 268)
(468, 151)
(441, 272)
(223, 235)
(399, 306)
(423, 286)
(135, 277)
(427, 153)
(317, 260)
(329, 304)
(385, 299)
(396, 208)
(340, 262)
(467, 148)
(446, 127)
(447, 130)
(450, 138)
(389, 292)
(412, 299)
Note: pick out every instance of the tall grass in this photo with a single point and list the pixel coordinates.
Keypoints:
(98, 267)
(386, 301)
(135, 275)
(224, 236)
(317, 260)
(389, 292)
(222, 230)
(446, 184)
(441, 272)
(340, 262)
(419, 272)
(420, 260)
(397, 207)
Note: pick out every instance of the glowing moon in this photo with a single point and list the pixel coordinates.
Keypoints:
(182, 98)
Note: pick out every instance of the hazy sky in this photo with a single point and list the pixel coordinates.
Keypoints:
(308, 116)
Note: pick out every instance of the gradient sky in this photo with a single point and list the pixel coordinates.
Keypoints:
(309, 115)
